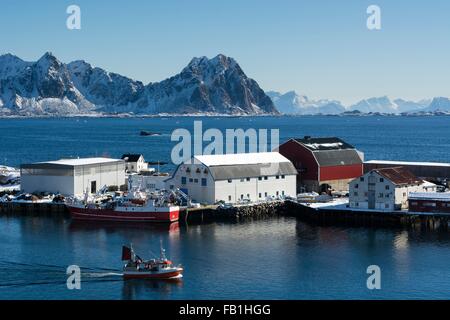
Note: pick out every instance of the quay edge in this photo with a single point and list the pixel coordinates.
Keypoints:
(264, 210)
(368, 218)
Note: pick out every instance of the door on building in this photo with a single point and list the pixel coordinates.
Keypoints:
(371, 193)
(93, 186)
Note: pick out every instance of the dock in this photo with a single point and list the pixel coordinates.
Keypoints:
(34, 209)
(338, 216)
(323, 215)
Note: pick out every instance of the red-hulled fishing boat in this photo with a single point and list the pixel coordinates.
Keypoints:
(131, 208)
(159, 268)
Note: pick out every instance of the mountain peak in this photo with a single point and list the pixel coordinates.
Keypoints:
(47, 56)
(216, 85)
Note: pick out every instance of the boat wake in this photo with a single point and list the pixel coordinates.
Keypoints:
(18, 274)
(101, 274)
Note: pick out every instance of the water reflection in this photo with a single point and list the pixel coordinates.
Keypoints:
(135, 288)
(171, 228)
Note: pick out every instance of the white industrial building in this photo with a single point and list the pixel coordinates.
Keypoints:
(72, 176)
(386, 189)
(235, 177)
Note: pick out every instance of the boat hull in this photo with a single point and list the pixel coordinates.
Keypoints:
(158, 215)
(153, 275)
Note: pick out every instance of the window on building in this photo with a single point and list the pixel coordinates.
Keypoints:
(381, 179)
(355, 194)
(242, 180)
(429, 204)
(183, 180)
(282, 192)
(191, 180)
(171, 186)
(356, 186)
(260, 195)
(387, 195)
(357, 204)
(265, 194)
(198, 170)
(414, 203)
(381, 195)
(248, 179)
(386, 206)
(229, 198)
(188, 169)
(196, 180)
(266, 177)
(277, 177)
(242, 196)
(387, 188)
(248, 195)
(283, 176)
(404, 194)
(361, 179)
(259, 178)
(278, 193)
(204, 183)
(230, 181)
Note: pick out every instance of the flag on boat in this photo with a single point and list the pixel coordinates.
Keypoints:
(126, 253)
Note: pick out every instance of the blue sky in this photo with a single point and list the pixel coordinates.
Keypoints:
(319, 48)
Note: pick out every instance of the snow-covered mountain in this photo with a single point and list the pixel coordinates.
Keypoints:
(293, 103)
(411, 106)
(386, 105)
(380, 104)
(44, 86)
(438, 104)
(209, 85)
(216, 85)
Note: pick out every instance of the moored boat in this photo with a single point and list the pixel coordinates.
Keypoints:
(141, 208)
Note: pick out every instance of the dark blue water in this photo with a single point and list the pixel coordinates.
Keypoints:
(389, 138)
(277, 258)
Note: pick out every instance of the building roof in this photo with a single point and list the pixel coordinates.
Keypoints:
(337, 158)
(246, 165)
(399, 175)
(436, 196)
(69, 163)
(324, 144)
(130, 157)
(331, 151)
(252, 170)
(241, 158)
(407, 163)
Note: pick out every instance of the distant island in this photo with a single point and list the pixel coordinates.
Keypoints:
(295, 104)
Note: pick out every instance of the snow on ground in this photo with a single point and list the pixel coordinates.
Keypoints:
(9, 188)
(336, 203)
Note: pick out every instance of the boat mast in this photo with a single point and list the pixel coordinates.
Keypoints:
(162, 251)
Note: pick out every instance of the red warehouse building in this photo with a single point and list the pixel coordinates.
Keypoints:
(323, 163)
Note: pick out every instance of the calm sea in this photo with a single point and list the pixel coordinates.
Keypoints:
(277, 258)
